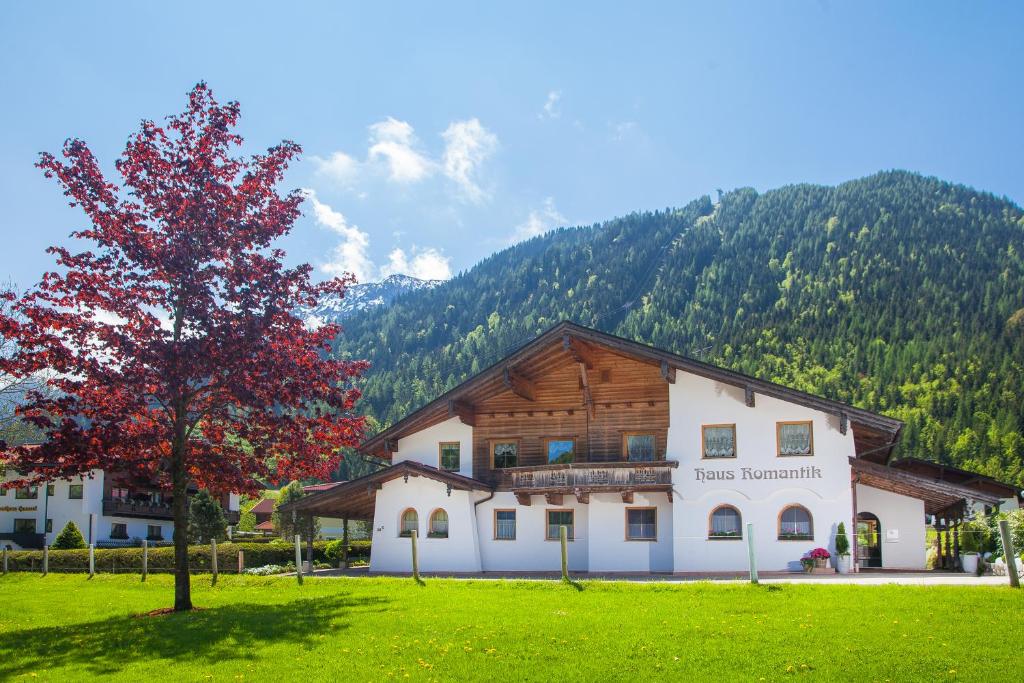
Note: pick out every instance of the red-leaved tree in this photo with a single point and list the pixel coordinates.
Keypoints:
(173, 345)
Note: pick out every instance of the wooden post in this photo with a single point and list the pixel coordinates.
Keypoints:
(956, 546)
(949, 547)
(92, 560)
(213, 561)
(241, 561)
(5, 561)
(940, 561)
(855, 562)
(751, 558)
(145, 560)
(298, 558)
(1011, 559)
(415, 556)
(309, 543)
(46, 559)
(344, 543)
(563, 537)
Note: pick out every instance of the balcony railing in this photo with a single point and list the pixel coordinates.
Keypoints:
(594, 476)
(129, 508)
(23, 539)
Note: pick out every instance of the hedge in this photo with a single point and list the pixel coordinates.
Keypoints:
(128, 560)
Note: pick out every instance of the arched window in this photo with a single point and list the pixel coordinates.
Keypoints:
(410, 522)
(796, 524)
(438, 524)
(725, 522)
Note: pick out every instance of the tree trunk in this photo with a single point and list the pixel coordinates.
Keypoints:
(182, 579)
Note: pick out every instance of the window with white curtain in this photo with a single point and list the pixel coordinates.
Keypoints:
(725, 523)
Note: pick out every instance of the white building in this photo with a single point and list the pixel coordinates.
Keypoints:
(109, 509)
(654, 462)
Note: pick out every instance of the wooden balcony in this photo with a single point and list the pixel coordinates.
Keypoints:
(129, 508)
(582, 479)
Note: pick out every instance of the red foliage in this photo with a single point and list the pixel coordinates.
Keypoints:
(174, 343)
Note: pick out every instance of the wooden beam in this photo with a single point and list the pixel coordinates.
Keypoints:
(519, 385)
(553, 498)
(844, 423)
(390, 446)
(579, 350)
(588, 398)
(627, 497)
(523, 499)
(463, 411)
(582, 496)
(748, 395)
(668, 372)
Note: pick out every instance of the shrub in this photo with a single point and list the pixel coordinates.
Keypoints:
(206, 519)
(974, 535)
(69, 538)
(842, 540)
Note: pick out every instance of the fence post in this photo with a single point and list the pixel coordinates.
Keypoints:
(344, 543)
(1011, 559)
(92, 560)
(750, 553)
(298, 558)
(5, 561)
(213, 560)
(563, 537)
(46, 559)
(415, 556)
(145, 559)
(241, 561)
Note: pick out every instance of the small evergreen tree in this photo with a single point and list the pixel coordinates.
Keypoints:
(842, 540)
(283, 523)
(206, 519)
(69, 538)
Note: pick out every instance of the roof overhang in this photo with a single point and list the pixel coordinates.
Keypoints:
(938, 496)
(875, 435)
(356, 499)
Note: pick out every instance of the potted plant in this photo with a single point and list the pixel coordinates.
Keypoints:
(842, 550)
(820, 557)
(807, 563)
(973, 535)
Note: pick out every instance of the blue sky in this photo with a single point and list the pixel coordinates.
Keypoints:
(437, 133)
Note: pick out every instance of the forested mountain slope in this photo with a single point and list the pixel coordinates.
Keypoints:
(898, 293)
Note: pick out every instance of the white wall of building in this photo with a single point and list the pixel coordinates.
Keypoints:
(903, 530)
(422, 447)
(391, 552)
(757, 481)
(531, 551)
(609, 549)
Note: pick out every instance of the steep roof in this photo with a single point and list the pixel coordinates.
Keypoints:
(264, 507)
(874, 434)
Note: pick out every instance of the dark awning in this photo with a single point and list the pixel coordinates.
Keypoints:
(938, 495)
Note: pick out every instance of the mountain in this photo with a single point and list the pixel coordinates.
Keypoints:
(898, 293)
(363, 297)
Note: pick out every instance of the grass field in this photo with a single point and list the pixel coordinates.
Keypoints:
(65, 627)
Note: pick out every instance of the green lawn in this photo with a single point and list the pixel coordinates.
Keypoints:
(64, 627)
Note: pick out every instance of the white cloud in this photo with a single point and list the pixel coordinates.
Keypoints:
(467, 146)
(395, 142)
(539, 222)
(623, 130)
(352, 253)
(339, 167)
(426, 264)
(551, 108)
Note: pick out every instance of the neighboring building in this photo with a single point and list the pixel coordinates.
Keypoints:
(330, 528)
(655, 463)
(109, 508)
(264, 513)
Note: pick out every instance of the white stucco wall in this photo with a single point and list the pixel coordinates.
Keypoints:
(696, 401)
(530, 551)
(609, 549)
(393, 553)
(422, 447)
(901, 514)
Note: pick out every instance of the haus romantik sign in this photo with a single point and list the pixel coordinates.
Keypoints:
(19, 508)
(755, 474)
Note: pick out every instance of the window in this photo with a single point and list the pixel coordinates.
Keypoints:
(725, 523)
(795, 524)
(718, 441)
(154, 532)
(49, 490)
(560, 518)
(795, 438)
(560, 451)
(449, 456)
(24, 526)
(118, 494)
(638, 447)
(49, 526)
(438, 524)
(119, 530)
(505, 525)
(504, 454)
(27, 493)
(75, 492)
(641, 524)
(410, 523)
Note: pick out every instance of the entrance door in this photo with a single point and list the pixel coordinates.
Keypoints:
(869, 540)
